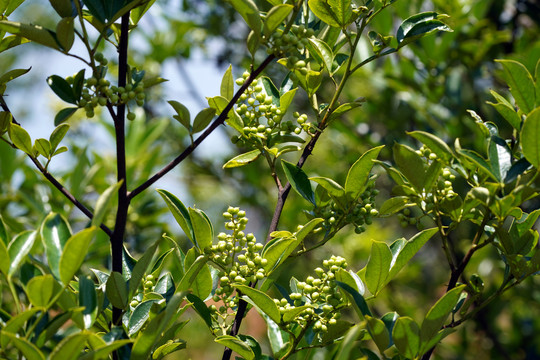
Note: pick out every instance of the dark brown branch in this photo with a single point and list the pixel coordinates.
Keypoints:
(54, 181)
(117, 237)
(219, 121)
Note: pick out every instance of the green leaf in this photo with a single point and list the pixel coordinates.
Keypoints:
(57, 135)
(191, 274)
(393, 205)
(147, 339)
(62, 7)
(18, 248)
(73, 344)
(3, 233)
(406, 336)
(500, 157)
(270, 90)
(4, 255)
(358, 300)
(104, 202)
(202, 119)
(436, 316)
(31, 32)
(379, 332)
(141, 267)
(218, 102)
(43, 147)
(237, 345)
(404, 255)
(324, 11)
(168, 348)
(5, 121)
(419, 25)
(276, 252)
(227, 85)
(349, 342)
(63, 115)
(179, 211)
(250, 13)
(358, 174)
(342, 109)
(29, 350)
(307, 228)
(411, 165)
(506, 110)
(104, 351)
(183, 115)
(74, 253)
(378, 267)
(299, 181)
(202, 228)
(20, 138)
(434, 143)
(479, 161)
(140, 315)
(243, 159)
(253, 42)
(275, 17)
(40, 290)
(116, 290)
(321, 52)
(65, 33)
(14, 324)
(12, 74)
(55, 232)
(286, 99)
(521, 84)
(61, 87)
(88, 299)
(530, 137)
(263, 301)
(333, 188)
(200, 307)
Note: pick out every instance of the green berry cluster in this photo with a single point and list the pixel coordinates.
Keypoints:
(292, 45)
(238, 256)
(97, 91)
(321, 294)
(149, 283)
(262, 118)
(359, 213)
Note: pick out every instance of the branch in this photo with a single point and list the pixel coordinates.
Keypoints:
(117, 237)
(219, 121)
(54, 181)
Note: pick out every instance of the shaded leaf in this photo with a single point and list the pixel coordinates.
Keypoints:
(18, 248)
(275, 17)
(358, 174)
(64, 114)
(116, 290)
(237, 345)
(263, 301)
(29, 350)
(61, 87)
(406, 336)
(299, 181)
(55, 232)
(521, 84)
(179, 211)
(530, 137)
(243, 159)
(202, 119)
(227, 85)
(74, 253)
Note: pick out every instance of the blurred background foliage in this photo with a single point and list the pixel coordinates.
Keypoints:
(428, 86)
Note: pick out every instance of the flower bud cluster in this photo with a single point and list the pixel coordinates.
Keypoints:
(238, 255)
(97, 91)
(292, 45)
(359, 214)
(321, 294)
(149, 285)
(262, 118)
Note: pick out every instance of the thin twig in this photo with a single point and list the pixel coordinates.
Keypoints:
(53, 180)
(219, 121)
